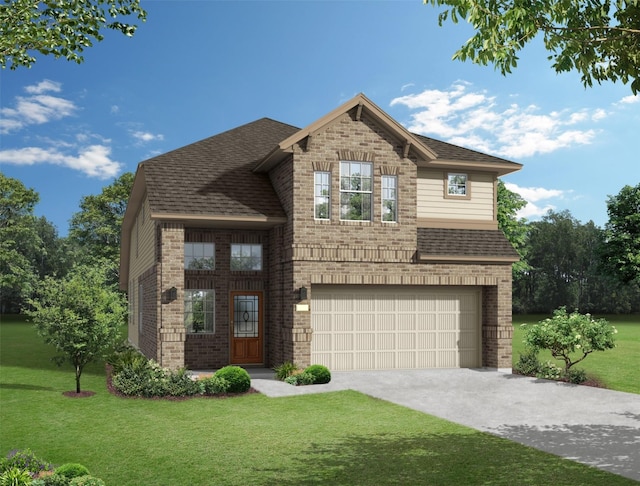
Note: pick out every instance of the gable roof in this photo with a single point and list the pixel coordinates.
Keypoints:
(439, 244)
(214, 178)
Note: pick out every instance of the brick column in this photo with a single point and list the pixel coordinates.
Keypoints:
(171, 332)
(497, 327)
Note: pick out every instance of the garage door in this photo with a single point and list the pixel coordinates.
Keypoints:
(387, 327)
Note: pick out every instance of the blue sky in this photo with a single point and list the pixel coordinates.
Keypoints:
(197, 68)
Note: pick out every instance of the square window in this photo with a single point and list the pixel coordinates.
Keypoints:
(199, 256)
(457, 185)
(322, 194)
(356, 191)
(246, 257)
(199, 310)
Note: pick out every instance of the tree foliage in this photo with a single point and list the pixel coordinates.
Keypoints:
(570, 337)
(95, 229)
(621, 251)
(62, 28)
(80, 315)
(600, 39)
(514, 228)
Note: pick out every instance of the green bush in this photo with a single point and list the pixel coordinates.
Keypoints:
(86, 481)
(527, 364)
(126, 356)
(146, 378)
(549, 371)
(285, 370)
(213, 385)
(576, 376)
(15, 477)
(26, 460)
(320, 373)
(72, 470)
(303, 378)
(238, 378)
(53, 480)
(179, 384)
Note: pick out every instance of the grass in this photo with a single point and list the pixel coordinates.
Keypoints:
(333, 438)
(616, 368)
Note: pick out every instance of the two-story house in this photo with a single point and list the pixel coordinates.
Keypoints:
(351, 243)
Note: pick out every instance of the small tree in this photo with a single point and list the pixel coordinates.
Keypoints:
(570, 336)
(79, 315)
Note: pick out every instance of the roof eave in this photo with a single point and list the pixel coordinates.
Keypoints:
(500, 168)
(221, 221)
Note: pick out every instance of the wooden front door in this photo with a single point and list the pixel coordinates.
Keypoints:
(246, 327)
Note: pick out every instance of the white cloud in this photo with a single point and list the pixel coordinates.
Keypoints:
(36, 109)
(145, 137)
(92, 160)
(476, 120)
(628, 100)
(535, 195)
(43, 87)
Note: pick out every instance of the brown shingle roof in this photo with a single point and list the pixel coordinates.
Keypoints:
(214, 176)
(435, 243)
(449, 151)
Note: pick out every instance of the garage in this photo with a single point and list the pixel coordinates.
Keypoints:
(366, 327)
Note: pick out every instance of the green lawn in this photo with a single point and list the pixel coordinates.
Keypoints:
(616, 368)
(342, 438)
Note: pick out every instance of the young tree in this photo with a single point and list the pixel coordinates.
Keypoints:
(514, 228)
(80, 315)
(600, 39)
(621, 251)
(62, 28)
(570, 337)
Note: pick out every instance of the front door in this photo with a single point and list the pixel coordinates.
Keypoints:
(246, 327)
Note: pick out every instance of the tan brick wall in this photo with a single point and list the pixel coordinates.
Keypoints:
(367, 253)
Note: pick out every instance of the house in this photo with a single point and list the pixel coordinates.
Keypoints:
(351, 243)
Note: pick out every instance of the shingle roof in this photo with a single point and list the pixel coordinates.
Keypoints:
(449, 151)
(214, 176)
(440, 242)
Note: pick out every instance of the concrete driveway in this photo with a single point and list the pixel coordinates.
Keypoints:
(590, 425)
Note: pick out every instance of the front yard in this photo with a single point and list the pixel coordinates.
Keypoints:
(341, 438)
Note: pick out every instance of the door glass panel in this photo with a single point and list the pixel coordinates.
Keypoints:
(245, 316)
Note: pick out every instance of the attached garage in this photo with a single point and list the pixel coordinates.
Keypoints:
(395, 327)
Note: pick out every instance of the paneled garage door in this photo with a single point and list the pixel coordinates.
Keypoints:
(395, 327)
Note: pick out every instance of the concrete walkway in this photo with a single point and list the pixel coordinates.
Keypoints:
(590, 425)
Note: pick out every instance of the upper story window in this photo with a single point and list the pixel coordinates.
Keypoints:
(246, 257)
(322, 201)
(389, 198)
(356, 193)
(199, 256)
(457, 185)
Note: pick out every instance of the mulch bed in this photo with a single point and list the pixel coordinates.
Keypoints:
(116, 393)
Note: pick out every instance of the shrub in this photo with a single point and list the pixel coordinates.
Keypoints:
(570, 337)
(53, 480)
(285, 370)
(302, 378)
(26, 460)
(576, 376)
(179, 384)
(213, 385)
(126, 356)
(528, 364)
(238, 378)
(15, 476)
(549, 371)
(72, 470)
(320, 373)
(86, 481)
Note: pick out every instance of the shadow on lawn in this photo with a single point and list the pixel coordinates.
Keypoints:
(475, 458)
(617, 446)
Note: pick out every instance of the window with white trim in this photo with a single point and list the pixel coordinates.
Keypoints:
(457, 185)
(199, 310)
(246, 257)
(389, 198)
(356, 191)
(199, 256)
(322, 195)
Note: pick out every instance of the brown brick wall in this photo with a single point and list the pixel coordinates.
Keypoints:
(148, 337)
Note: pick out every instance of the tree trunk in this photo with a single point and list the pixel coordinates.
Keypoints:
(78, 373)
